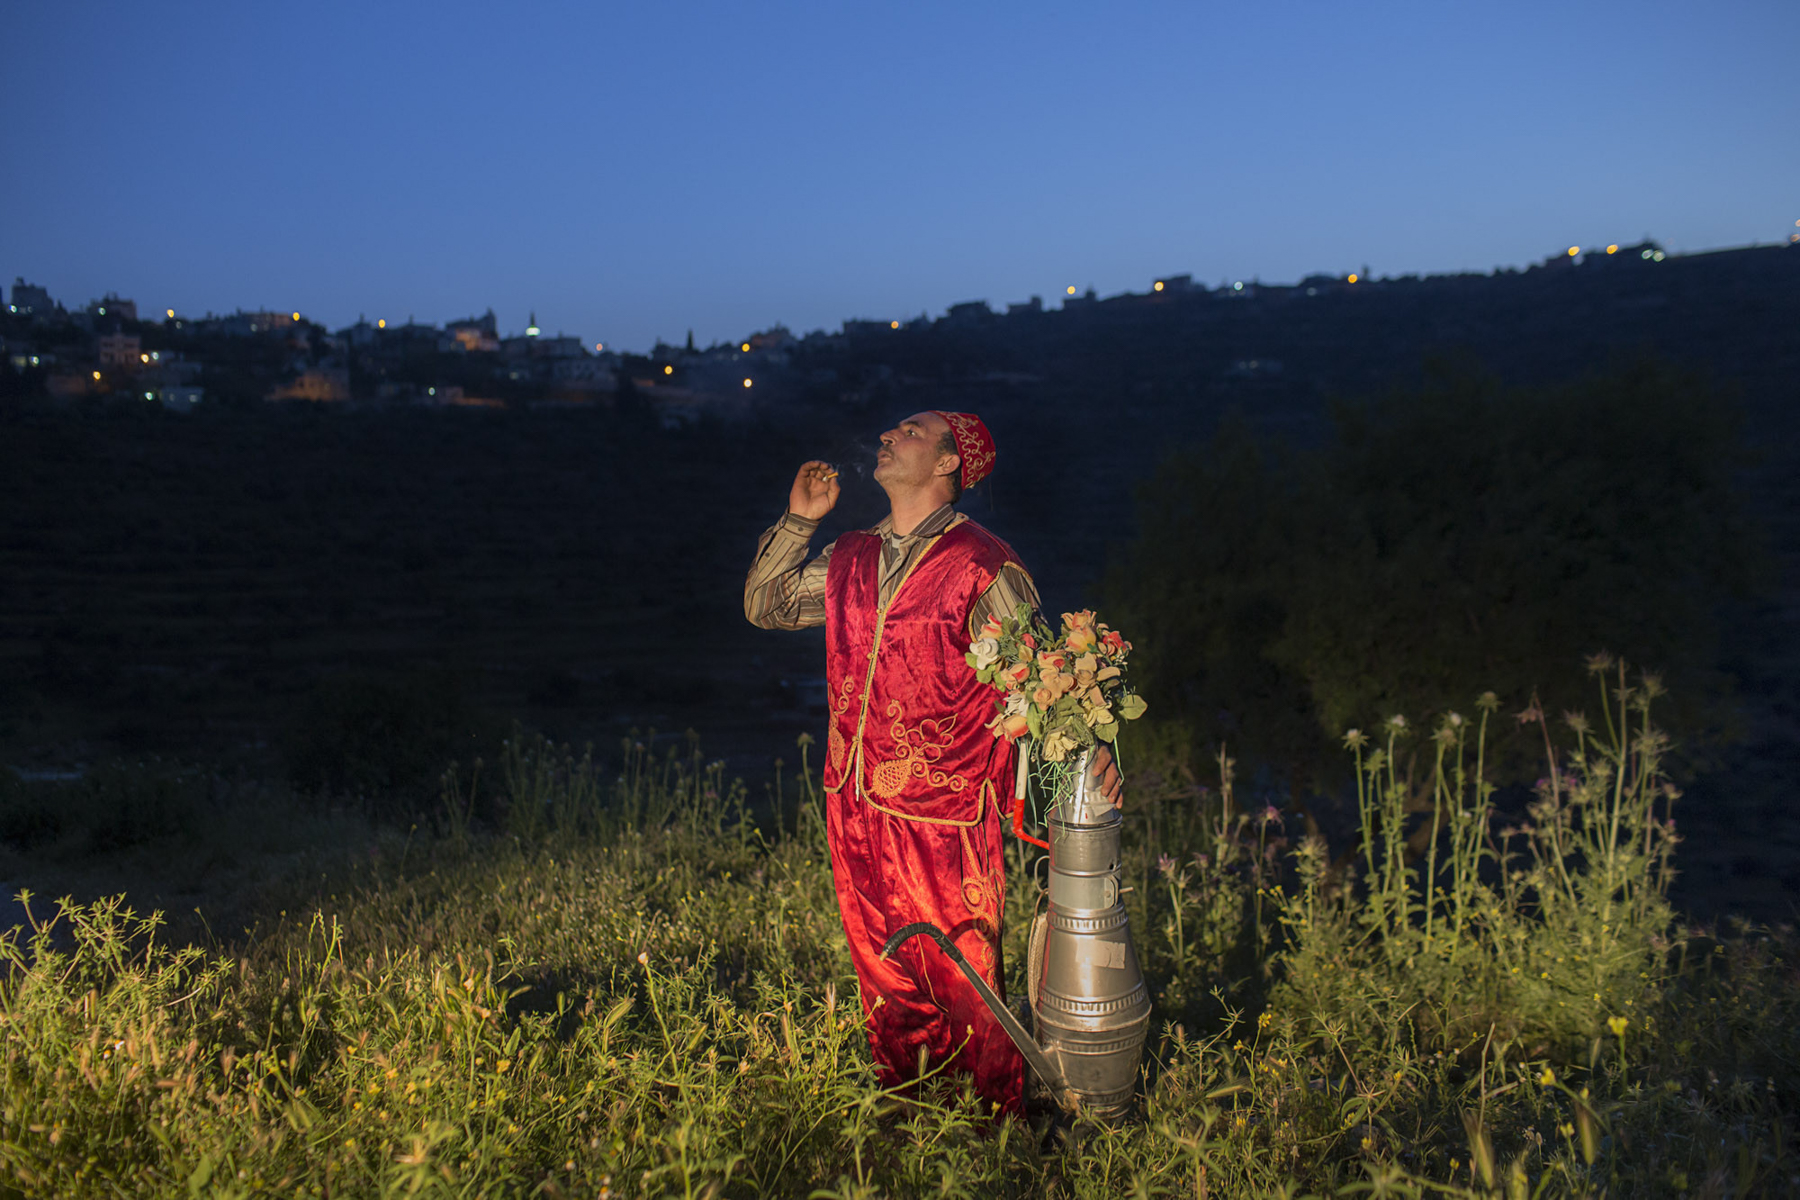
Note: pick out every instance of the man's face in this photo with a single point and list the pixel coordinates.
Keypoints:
(912, 452)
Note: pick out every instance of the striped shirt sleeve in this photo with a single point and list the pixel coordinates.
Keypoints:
(785, 590)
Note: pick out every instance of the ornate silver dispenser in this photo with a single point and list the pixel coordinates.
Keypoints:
(1088, 997)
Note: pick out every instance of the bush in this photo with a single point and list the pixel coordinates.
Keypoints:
(115, 806)
(384, 740)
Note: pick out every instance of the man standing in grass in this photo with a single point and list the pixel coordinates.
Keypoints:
(915, 782)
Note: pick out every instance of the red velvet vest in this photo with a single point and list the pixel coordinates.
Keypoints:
(908, 717)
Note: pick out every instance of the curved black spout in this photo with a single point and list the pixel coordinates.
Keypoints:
(1021, 1037)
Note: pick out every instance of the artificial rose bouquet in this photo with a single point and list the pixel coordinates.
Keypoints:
(1067, 689)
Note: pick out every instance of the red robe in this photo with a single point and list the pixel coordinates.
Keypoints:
(915, 786)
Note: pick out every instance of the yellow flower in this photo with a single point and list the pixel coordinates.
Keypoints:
(1547, 1078)
(1617, 1025)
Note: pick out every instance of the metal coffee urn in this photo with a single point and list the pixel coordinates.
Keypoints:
(1088, 997)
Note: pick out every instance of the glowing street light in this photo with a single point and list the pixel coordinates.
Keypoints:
(668, 370)
(893, 324)
(745, 347)
(746, 383)
(1574, 250)
(96, 375)
(599, 346)
(143, 358)
(1352, 277)
(171, 313)
(1613, 249)
(296, 316)
(1159, 285)
(381, 324)
(1071, 289)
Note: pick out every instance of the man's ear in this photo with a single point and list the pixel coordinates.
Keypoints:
(955, 461)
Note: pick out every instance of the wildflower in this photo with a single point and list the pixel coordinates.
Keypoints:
(1265, 1019)
(1576, 721)
(643, 958)
(503, 1066)
(1165, 864)
(1597, 663)
(803, 741)
(569, 1165)
(1548, 1078)
(1271, 815)
(1397, 723)
(1355, 739)
(1530, 713)
(1617, 1025)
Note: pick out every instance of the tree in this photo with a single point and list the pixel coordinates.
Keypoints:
(1448, 540)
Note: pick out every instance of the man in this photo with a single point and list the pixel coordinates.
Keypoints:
(915, 783)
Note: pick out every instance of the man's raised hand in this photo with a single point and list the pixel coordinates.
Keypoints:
(815, 490)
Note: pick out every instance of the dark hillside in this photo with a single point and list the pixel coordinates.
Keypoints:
(178, 584)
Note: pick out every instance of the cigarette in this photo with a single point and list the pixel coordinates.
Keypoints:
(829, 473)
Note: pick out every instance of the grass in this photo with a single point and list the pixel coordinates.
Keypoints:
(631, 981)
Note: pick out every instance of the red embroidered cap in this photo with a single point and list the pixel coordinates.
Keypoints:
(974, 444)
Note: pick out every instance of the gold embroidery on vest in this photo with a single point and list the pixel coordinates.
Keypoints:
(917, 750)
(862, 716)
(834, 740)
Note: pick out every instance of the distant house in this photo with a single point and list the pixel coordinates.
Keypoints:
(972, 312)
(584, 373)
(776, 338)
(476, 334)
(30, 300)
(1033, 305)
(113, 307)
(67, 385)
(321, 384)
(120, 350)
(250, 324)
(180, 397)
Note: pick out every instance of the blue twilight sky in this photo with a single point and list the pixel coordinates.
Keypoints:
(637, 170)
